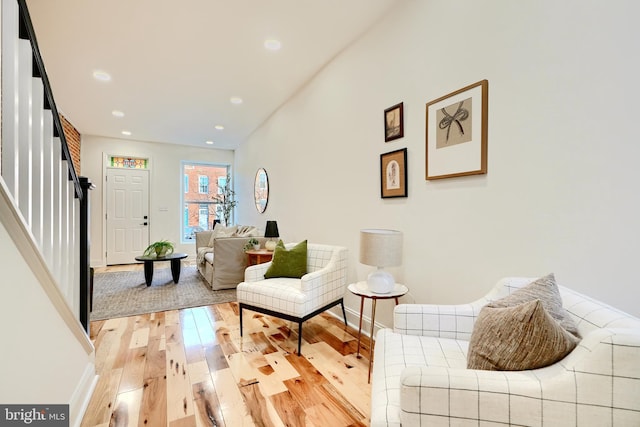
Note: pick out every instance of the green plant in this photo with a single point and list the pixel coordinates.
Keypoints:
(251, 244)
(226, 200)
(160, 248)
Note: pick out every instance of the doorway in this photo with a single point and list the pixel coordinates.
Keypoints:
(127, 207)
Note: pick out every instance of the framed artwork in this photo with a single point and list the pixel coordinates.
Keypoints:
(456, 133)
(393, 122)
(393, 174)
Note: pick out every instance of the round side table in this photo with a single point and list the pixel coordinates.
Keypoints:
(363, 292)
(259, 256)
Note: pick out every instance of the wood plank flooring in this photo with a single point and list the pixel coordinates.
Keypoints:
(191, 368)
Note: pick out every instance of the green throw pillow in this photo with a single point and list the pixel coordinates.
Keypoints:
(288, 263)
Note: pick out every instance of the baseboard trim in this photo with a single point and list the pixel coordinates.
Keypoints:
(79, 401)
(353, 320)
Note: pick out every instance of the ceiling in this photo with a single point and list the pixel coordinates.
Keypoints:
(174, 70)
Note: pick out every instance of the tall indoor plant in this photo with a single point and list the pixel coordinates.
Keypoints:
(226, 200)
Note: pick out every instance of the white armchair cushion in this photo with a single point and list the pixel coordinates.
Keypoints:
(281, 294)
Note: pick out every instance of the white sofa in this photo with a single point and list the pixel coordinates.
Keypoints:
(420, 375)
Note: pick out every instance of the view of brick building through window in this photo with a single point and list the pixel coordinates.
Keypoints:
(201, 183)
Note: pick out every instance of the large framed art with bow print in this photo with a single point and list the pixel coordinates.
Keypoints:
(456, 133)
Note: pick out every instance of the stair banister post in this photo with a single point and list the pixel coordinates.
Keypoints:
(86, 281)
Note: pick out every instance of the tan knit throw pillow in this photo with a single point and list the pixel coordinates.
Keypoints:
(517, 338)
(546, 290)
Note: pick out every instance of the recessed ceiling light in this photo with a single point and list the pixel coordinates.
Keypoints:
(117, 113)
(209, 142)
(102, 76)
(235, 100)
(272, 44)
(219, 127)
(126, 132)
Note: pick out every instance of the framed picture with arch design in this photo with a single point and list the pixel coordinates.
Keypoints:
(393, 174)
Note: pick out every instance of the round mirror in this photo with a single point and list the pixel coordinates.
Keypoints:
(261, 190)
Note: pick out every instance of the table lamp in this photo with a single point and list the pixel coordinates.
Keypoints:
(271, 232)
(380, 248)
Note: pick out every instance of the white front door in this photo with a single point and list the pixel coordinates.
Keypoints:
(127, 214)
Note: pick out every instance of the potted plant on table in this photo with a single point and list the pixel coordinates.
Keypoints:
(253, 243)
(160, 248)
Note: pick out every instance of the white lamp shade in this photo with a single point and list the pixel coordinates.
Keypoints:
(380, 248)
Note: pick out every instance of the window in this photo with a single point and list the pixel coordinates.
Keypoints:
(203, 216)
(200, 208)
(203, 184)
(222, 181)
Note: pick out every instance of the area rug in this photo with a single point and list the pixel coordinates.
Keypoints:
(124, 293)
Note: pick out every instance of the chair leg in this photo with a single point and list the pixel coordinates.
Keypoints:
(240, 320)
(299, 338)
(344, 313)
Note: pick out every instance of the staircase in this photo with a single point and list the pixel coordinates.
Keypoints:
(45, 203)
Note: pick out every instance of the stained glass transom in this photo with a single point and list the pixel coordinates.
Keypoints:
(128, 162)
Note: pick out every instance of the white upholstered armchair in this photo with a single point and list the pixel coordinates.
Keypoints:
(297, 299)
(420, 374)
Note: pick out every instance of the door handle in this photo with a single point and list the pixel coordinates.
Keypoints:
(144, 223)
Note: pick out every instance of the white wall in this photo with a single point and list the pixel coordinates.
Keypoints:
(561, 193)
(42, 361)
(164, 183)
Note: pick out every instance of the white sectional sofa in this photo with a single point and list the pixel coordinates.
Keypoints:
(420, 374)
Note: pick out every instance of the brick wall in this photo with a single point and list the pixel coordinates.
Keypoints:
(73, 141)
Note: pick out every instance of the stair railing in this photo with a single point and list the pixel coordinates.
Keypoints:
(36, 165)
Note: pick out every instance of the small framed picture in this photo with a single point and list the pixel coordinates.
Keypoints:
(393, 123)
(393, 174)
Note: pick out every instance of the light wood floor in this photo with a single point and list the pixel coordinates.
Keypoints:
(191, 368)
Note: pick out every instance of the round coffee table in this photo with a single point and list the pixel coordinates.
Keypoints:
(150, 259)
